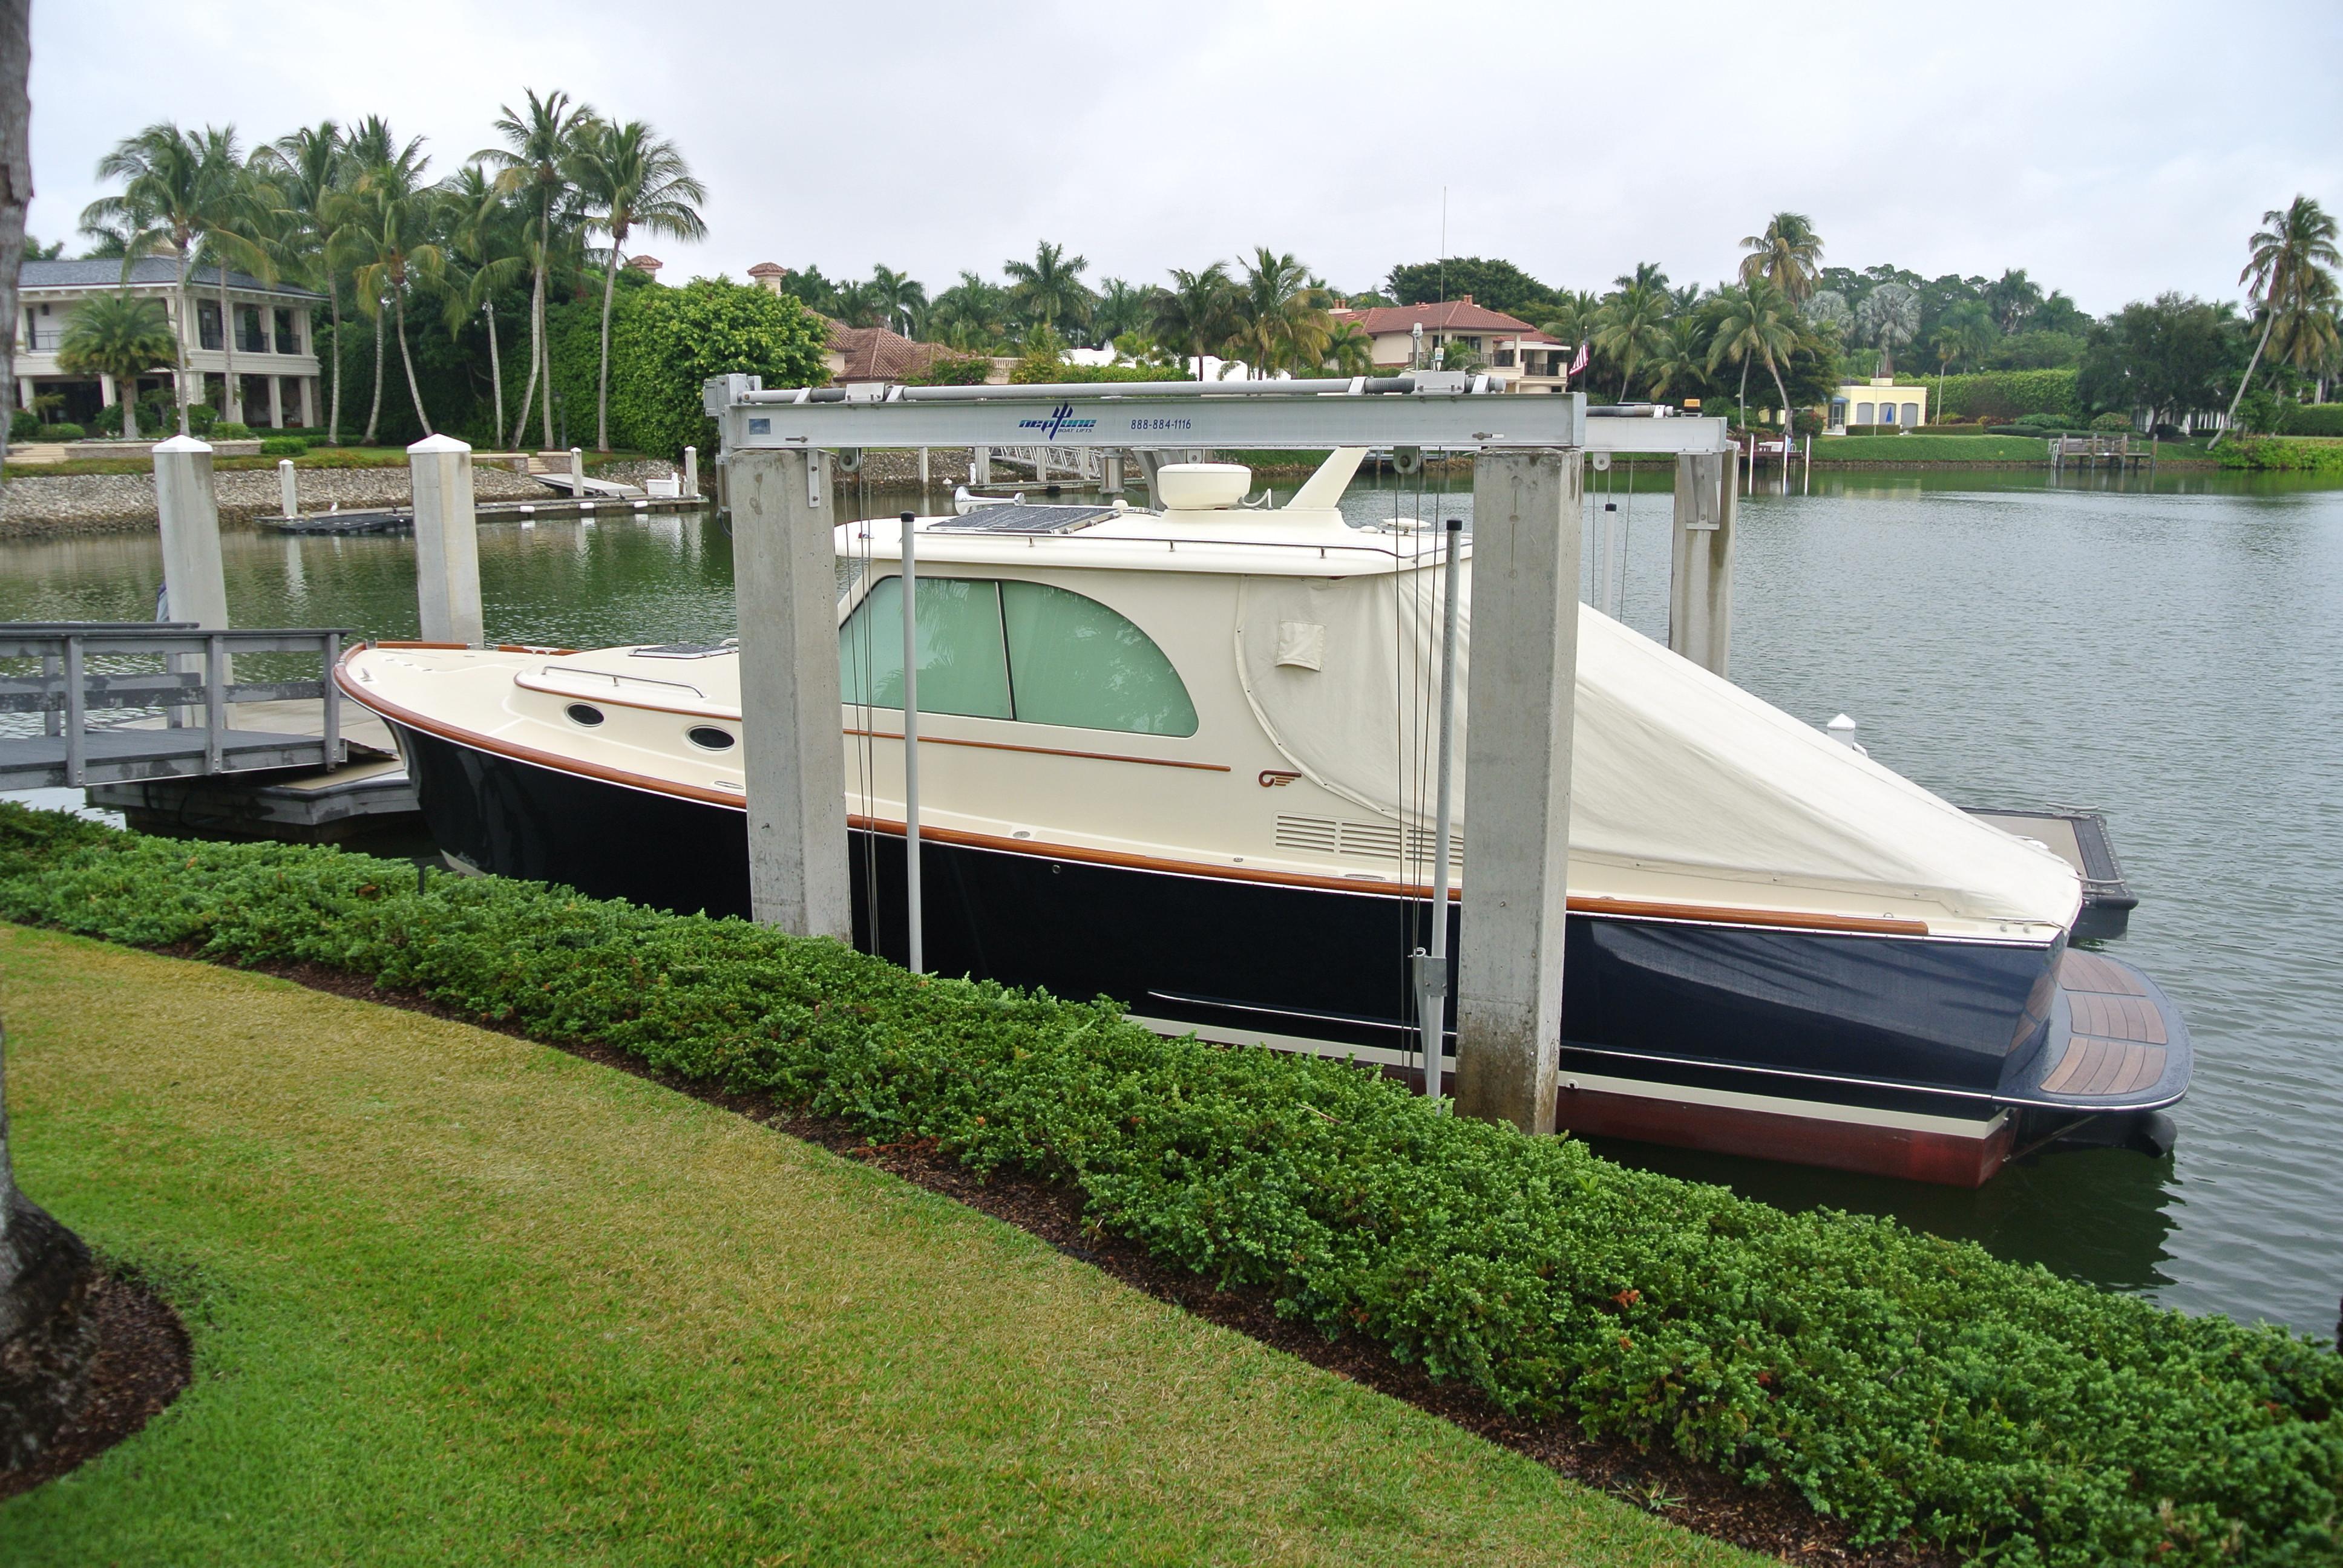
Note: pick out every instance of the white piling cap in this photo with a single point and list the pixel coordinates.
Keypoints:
(181, 444)
(1841, 725)
(440, 443)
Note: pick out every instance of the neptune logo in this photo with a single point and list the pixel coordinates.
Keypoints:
(1062, 417)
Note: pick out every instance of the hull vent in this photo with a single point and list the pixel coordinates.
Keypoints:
(1360, 840)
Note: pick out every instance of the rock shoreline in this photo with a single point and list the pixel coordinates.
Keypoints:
(49, 505)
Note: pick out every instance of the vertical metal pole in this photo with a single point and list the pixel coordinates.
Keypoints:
(915, 924)
(76, 714)
(1432, 968)
(214, 700)
(333, 699)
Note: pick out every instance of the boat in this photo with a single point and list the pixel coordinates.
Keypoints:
(1183, 757)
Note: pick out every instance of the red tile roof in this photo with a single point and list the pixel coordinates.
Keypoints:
(1446, 316)
(875, 354)
(768, 270)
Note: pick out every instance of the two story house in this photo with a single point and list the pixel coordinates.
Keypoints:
(1511, 350)
(276, 382)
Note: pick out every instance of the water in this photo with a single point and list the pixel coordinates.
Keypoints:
(2161, 650)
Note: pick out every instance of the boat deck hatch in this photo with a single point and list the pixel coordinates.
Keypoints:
(1023, 517)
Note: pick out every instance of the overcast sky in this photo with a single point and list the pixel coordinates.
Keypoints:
(2112, 152)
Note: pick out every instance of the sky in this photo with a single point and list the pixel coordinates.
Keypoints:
(2111, 151)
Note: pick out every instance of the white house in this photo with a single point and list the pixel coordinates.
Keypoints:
(276, 358)
(1511, 350)
(1881, 400)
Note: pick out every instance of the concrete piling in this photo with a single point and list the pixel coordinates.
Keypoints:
(795, 764)
(578, 473)
(184, 497)
(1700, 561)
(285, 488)
(446, 541)
(1521, 703)
(691, 470)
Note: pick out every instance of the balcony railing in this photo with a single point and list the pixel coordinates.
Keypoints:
(43, 339)
(208, 335)
(286, 343)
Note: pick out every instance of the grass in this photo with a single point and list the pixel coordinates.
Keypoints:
(458, 1298)
(1930, 449)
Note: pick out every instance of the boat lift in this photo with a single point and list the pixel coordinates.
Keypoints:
(779, 445)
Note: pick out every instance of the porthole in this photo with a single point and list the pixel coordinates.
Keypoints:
(707, 737)
(581, 713)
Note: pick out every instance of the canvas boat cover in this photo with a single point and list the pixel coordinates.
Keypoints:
(1672, 768)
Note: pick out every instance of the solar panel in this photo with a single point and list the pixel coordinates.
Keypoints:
(1022, 518)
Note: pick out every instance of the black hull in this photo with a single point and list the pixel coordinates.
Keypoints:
(1721, 1022)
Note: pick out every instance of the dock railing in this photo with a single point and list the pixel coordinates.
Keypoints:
(195, 677)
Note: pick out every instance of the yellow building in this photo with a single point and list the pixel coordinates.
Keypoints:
(1881, 400)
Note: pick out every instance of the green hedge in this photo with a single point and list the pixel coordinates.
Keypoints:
(2004, 395)
(1919, 448)
(2311, 419)
(2300, 455)
(1907, 1385)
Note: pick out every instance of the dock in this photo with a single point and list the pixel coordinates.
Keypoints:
(152, 720)
(401, 519)
(2099, 451)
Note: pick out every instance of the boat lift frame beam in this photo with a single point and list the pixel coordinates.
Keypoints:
(1520, 704)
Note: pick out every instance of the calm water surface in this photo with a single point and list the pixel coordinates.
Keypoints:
(2165, 651)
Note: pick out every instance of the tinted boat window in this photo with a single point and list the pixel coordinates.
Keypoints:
(1073, 662)
(962, 666)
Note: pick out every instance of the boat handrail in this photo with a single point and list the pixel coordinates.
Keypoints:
(1408, 557)
(616, 680)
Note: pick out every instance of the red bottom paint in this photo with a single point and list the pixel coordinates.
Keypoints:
(1911, 1154)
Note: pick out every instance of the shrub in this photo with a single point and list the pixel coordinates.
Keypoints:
(1904, 1384)
(2003, 395)
(1040, 369)
(2168, 433)
(955, 370)
(2112, 423)
(2045, 421)
(2311, 419)
(2300, 454)
(664, 342)
(66, 430)
(24, 425)
(201, 418)
(283, 446)
(230, 430)
(109, 420)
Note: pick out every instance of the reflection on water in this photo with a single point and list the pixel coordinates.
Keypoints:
(2160, 649)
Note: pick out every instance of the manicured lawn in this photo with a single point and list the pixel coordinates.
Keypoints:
(1931, 450)
(458, 1298)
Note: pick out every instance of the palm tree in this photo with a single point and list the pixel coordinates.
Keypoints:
(2307, 336)
(1970, 331)
(1122, 310)
(1049, 289)
(488, 252)
(1349, 350)
(371, 153)
(541, 141)
(1890, 316)
(2285, 272)
(899, 296)
(390, 222)
(1629, 327)
(1281, 316)
(1758, 323)
(120, 336)
(1788, 255)
(1197, 312)
(972, 313)
(309, 168)
(1678, 358)
(631, 178)
(177, 190)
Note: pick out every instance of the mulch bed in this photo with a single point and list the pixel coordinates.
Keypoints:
(1774, 1521)
(142, 1362)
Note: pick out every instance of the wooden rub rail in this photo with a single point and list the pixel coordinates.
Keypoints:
(193, 682)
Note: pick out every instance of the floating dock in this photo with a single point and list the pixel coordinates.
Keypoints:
(401, 519)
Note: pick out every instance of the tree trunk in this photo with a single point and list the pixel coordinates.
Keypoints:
(496, 365)
(527, 398)
(373, 415)
(545, 349)
(398, 303)
(602, 381)
(1787, 420)
(333, 305)
(2269, 319)
(46, 1337)
(129, 411)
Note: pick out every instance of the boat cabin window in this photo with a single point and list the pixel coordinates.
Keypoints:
(1016, 651)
